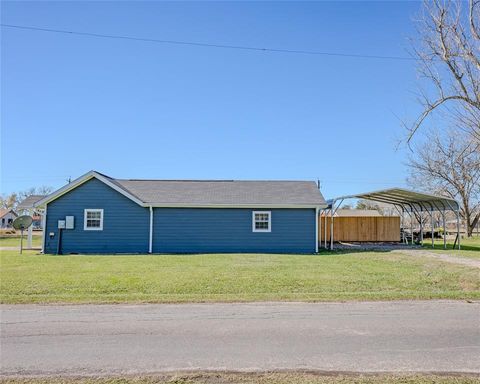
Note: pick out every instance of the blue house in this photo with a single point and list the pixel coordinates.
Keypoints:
(99, 214)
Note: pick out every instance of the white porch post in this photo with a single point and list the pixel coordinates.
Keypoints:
(30, 232)
(316, 228)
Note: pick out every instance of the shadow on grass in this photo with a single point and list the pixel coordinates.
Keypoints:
(349, 251)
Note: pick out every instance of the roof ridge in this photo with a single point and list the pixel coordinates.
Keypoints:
(221, 180)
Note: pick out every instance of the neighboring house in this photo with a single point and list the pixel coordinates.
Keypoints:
(27, 204)
(357, 213)
(36, 222)
(6, 218)
(106, 215)
(26, 207)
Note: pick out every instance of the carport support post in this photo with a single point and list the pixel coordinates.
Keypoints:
(444, 230)
(325, 237)
(331, 227)
(458, 227)
(433, 226)
(319, 232)
(421, 227)
(411, 223)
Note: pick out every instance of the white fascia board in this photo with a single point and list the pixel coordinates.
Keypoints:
(254, 206)
(66, 188)
(120, 190)
(79, 181)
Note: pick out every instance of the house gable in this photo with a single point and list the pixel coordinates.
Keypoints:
(83, 179)
(125, 223)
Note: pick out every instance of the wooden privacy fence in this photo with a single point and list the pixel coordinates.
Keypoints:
(362, 228)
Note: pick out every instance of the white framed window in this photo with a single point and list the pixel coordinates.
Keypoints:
(93, 220)
(261, 221)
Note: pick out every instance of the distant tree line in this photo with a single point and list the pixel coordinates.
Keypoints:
(10, 201)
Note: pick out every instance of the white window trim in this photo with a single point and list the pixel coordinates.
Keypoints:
(85, 228)
(269, 213)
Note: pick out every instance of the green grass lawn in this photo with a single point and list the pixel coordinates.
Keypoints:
(14, 241)
(33, 278)
(470, 247)
(255, 378)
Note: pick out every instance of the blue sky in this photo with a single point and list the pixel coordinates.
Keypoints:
(144, 110)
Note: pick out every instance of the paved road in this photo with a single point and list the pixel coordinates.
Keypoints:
(439, 336)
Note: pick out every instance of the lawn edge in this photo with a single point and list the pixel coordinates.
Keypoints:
(259, 302)
(246, 373)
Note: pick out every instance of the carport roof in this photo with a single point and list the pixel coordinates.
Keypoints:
(405, 198)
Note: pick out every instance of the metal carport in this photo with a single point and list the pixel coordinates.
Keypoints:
(405, 201)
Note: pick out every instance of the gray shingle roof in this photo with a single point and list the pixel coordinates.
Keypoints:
(4, 211)
(223, 192)
(28, 202)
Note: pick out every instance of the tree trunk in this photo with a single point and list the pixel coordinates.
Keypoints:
(471, 225)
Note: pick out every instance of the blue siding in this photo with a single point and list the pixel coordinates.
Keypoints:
(176, 230)
(125, 224)
(190, 230)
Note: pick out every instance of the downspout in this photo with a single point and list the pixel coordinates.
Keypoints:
(316, 228)
(150, 238)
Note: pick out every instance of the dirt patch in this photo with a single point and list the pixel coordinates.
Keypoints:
(440, 256)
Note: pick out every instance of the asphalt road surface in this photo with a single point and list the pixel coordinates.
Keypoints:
(435, 336)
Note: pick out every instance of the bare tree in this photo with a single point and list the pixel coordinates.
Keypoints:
(449, 55)
(9, 201)
(13, 199)
(368, 205)
(450, 164)
(43, 190)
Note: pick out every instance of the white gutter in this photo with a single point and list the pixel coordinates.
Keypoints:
(150, 238)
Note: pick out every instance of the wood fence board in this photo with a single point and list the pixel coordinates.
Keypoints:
(362, 228)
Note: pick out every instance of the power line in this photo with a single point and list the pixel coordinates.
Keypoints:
(209, 45)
